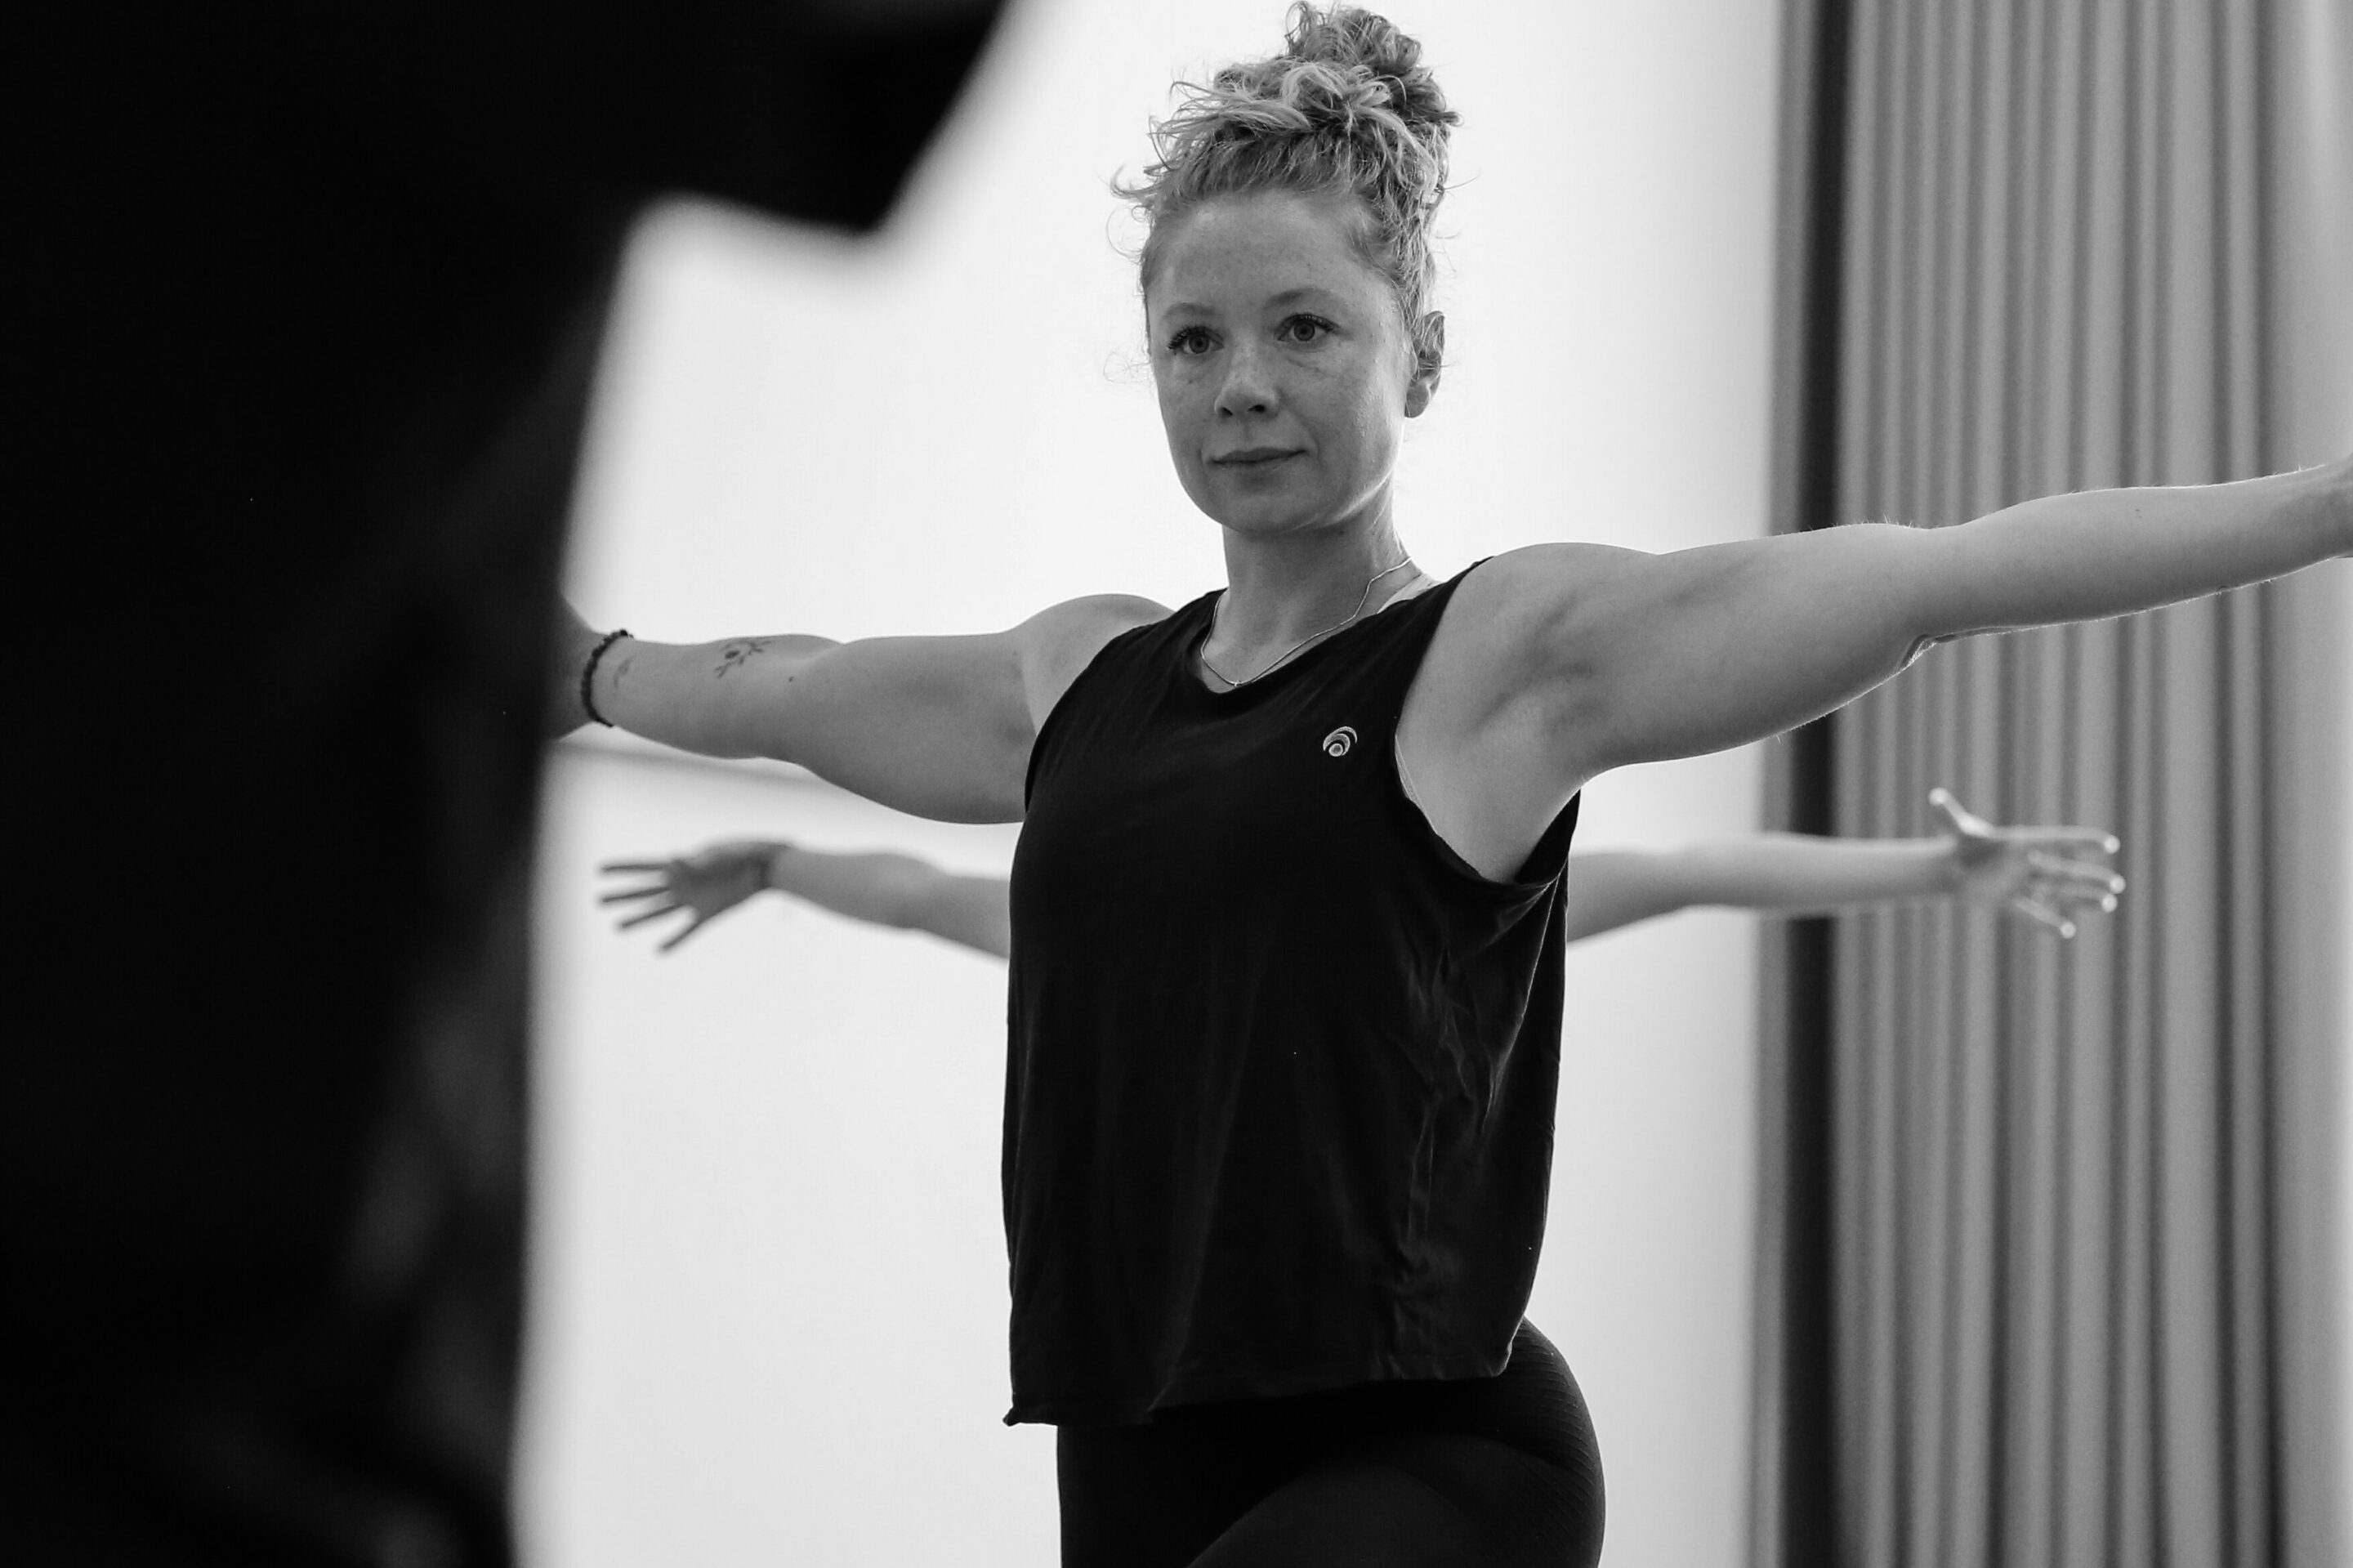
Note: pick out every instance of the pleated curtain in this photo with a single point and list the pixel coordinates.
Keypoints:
(2018, 1265)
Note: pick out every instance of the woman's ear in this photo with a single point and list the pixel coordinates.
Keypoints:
(1428, 357)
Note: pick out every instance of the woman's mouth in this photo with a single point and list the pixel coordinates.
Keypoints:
(1254, 457)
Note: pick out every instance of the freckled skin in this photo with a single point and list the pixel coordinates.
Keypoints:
(1270, 332)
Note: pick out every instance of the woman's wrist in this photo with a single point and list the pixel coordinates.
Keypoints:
(2336, 484)
(1952, 864)
(590, 664)
(2312, 505)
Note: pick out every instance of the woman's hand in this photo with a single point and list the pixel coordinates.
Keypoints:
(702, 885)
(2033, 872)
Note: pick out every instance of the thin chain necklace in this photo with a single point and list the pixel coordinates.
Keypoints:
(1218, 609)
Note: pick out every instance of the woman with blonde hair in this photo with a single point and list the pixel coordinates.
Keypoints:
(1287, 906)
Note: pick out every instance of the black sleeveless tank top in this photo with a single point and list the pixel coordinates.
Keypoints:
(1279, 1091)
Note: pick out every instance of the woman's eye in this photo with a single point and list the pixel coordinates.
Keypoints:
(1303, 329)
(1189, 340)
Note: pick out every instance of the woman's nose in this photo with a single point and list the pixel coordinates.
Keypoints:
(1248, 387)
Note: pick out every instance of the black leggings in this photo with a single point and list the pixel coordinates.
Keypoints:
(1496, 1471)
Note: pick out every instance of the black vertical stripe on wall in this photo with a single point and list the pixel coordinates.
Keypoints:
(1797, 1496)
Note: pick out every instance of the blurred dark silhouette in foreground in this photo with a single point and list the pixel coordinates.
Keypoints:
(308, 302)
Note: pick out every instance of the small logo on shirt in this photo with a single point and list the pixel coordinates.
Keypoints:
(1338, 742)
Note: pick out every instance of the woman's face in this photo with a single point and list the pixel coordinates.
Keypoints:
(1285, 374)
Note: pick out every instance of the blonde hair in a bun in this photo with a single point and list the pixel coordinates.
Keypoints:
(1348, 109)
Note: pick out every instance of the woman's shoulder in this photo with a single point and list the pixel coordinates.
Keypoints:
(1077, 628)
(1510, 619)
(1060, 642)
(1502, 601)
(1122, 610)
(1538, 569)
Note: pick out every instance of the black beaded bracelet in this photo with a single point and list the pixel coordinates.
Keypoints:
(588, 674)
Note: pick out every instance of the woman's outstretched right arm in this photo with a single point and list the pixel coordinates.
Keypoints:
(880, 888)
(2048, 875)
(937, 726)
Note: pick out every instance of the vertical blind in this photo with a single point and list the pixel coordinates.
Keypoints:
(2021, 1291)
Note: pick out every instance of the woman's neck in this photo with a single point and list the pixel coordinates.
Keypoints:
(1284, 592)
(1282, 588)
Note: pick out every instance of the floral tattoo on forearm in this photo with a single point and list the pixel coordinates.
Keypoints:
(735, 656)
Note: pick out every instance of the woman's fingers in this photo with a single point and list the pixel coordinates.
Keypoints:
(2076, 841)
(2072, 894)
(2067, 837)
(698, 886)
(2065, 886)
(2083, 874)
(2043, 914)
(1957, 817)
(2074, 900)
(2047, 872)
(689, 930)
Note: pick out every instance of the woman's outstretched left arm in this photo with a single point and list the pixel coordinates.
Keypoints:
(1612, 657)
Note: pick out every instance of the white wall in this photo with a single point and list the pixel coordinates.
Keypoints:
(769, 1280)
